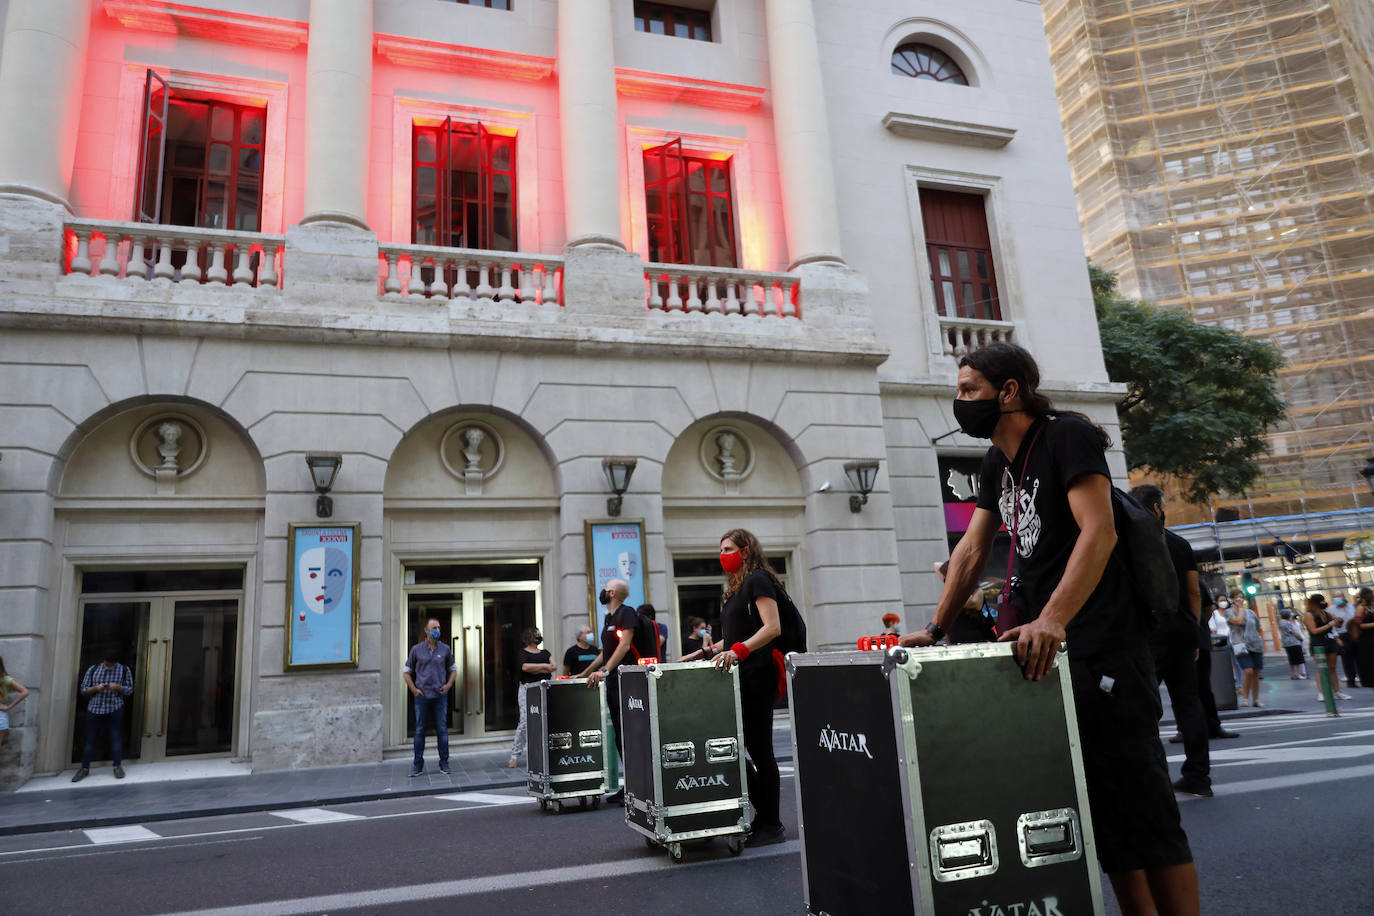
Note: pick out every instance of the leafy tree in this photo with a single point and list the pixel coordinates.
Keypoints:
(1199, 398)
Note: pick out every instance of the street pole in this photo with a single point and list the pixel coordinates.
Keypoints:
(1324, 680)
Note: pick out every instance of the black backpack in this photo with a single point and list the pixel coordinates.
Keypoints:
(644, 643)
(793, 638)
(1143, 551)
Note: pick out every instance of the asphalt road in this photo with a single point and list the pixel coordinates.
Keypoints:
(1288, 831)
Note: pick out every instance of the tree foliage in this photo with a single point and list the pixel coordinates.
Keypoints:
(1199, 398)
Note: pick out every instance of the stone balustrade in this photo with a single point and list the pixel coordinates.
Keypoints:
(425, 271)
(721, 291)
(138, 252)
(964, 335)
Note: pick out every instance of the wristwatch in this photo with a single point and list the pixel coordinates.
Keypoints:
(936, 631)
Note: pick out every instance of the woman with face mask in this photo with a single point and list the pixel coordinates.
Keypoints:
(536, 664)
(749, 625)
(1321, 627)
(697, 635)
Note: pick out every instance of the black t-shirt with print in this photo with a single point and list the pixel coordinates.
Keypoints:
(625, 619)
(1065, 449)
(576, 659)
(542, 657)
(738, 621)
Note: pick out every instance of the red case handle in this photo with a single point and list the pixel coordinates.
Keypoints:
(877, 643)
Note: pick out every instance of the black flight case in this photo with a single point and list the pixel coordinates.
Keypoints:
(939, 781)
(568, 729)
(684, 754)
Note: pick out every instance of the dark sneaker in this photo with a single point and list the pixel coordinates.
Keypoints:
(1175, 738)
(1223, 733)
(417, 771)
(1193, 787)
(81, 774)
(443, 768)
(616, 798)
(766, 836)
(119, 772)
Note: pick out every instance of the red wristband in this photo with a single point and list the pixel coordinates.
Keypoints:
(741, 651)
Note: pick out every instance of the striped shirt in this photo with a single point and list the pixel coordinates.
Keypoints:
(107, 701)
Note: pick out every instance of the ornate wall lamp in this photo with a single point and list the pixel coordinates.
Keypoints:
(862, 475)
(324, 467)
(618, 472)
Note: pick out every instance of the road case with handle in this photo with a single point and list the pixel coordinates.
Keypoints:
(684, 754)
(568, 735)
(939, 781)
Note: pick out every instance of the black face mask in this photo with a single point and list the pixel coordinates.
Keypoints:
(977, 418)
(604, 597)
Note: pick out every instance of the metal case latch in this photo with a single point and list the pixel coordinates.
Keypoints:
(959, 851)
(721, 750)
(681, 754)
(589, 738)
(903, 660)
(1047, 837)
(560, 742)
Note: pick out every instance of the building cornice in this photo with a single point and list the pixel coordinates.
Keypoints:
(688, 90)
(451, 58)
(942, 130)
(942, 385)
(203, 22)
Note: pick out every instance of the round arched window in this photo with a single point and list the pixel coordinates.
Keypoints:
(926, 62)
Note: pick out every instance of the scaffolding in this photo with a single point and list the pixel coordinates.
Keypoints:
(1222, 160)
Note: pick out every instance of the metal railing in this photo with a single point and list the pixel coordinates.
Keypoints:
(469, 274)
(151, 252)
(721, 291)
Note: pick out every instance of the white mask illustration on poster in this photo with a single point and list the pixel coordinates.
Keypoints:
(629, 565)
(323, 574)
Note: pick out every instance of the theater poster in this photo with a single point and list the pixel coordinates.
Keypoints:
(322, 610)
(615, 550)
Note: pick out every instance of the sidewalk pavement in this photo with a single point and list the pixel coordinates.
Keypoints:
(168, 791)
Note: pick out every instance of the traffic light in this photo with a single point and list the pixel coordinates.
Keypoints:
(1248, 584)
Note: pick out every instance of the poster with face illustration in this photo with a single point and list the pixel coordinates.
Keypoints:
(322, 615)
(615, 550)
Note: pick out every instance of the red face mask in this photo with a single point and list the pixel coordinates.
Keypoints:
(731, 562)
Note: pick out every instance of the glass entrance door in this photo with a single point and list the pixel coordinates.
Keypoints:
(483, 624)
(182, 652)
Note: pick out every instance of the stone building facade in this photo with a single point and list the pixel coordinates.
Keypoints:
(475, 251)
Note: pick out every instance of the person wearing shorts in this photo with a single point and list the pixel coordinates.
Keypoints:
(1046, 479)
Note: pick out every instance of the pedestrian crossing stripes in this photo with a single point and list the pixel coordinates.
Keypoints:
(129, 834)
(314, 815)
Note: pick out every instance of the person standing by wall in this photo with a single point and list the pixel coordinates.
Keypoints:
(8, 685)
(105, 686)
(536, 664)
(429, 673)
(1046, 478)
(698, 634)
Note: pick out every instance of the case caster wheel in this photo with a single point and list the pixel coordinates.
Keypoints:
(582, 802)
(558, 805)
(650, 843)
(596, 802)
(543, 804)
(735, 844)
(675, 850)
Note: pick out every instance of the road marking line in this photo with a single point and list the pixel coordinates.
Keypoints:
(131, 834)
(441, 890)
(88, 851)
(484, 798)
(313, 815)
(1291, 781)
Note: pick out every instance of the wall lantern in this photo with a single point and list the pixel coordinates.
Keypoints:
(862, 475)
(1368, 474)
(324, 467)
(618, 472)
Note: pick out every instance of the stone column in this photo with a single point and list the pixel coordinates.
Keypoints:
(802, 132)
(590, 123)
(42, 73)
(338, 106)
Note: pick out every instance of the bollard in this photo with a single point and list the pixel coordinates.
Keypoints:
(1324, 680)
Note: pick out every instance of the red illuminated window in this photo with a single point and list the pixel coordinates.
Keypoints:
(960, 250)
(926, 62)
(489, 4)
(462, 187)
(690, 208)
(678, 21)
(201, 161)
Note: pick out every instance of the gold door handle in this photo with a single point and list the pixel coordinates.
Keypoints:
(467, 688)
(147, 666)
(481, 673)
(166, 681)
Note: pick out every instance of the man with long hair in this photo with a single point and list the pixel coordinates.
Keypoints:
(1046, 478)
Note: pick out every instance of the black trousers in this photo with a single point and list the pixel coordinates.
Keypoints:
(613, 704)
(1175, 668)
(1204, 692)
(758, 687)
(1350, 660)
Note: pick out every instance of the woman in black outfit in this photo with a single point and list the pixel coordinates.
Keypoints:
(749, 624)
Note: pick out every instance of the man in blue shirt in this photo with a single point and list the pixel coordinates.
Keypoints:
(429, 672)
(105, 686)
